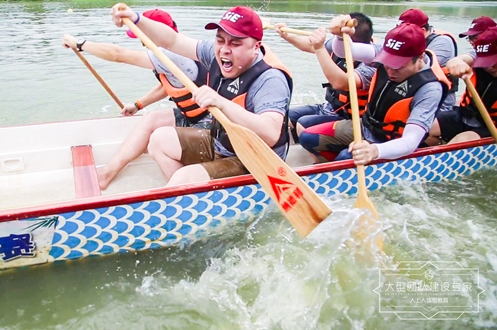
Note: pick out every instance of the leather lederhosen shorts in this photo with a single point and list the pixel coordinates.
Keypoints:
(197, 147)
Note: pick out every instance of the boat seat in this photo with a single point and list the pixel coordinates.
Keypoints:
(85, 172)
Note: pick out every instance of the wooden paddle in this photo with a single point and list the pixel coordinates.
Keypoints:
(481, 107)
(96, 75)
(363, 200)
(298, 202)
(266, 25)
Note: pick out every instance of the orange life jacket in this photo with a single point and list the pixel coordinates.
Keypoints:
(389, 104)
(182, 96)
(486, 86)
(454, 87)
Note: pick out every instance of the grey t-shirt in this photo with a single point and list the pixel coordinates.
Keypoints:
(443, 47)
(424, 105)
(269, 92)
(188, 66)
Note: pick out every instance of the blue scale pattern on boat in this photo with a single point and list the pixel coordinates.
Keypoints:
(90, 246)
(179, 220)
(170, 225)
(120, 227)
(56, 252)
(185, 215)
(231, 200)
(245, 205)
(75, 254)
(103, 222)
(185, 229)
(230, 214)
(200, 220)
(104, 237)
(136, 217)
(152, 206)
(185, 201)
(56, 238)
(118, 212)
(215, 210)
(217, 196)
(170, 211)
(153, 221)
(170, 239)
(89, 231)
(69, 227)
(106, 249)
(153, 235)
(73, 242)
(139, 244)
(137, 231)
(201, 206)
(155, 246)
(122, 240)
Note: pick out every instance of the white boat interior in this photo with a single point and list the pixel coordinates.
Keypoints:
(36, 165)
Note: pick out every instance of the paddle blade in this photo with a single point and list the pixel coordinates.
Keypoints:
(296, 200)
(365, 203)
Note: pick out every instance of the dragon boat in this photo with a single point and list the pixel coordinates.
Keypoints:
(52, 209)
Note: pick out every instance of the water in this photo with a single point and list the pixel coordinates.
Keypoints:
(258, 277)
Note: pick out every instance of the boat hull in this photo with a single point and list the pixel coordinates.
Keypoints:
(180, 215)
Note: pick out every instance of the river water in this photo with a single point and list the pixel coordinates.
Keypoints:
(260, 276)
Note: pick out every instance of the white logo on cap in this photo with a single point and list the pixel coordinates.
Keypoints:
(394, 44)
(483, 48)
(472, 25)
(231, 16)
(400, 22)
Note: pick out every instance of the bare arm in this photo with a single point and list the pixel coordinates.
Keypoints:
(300, 42)
(335, 76)
(460, 66)
(111, 52)
(161, 34)
(156, 94)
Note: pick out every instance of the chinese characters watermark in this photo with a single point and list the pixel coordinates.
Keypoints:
(429, 290)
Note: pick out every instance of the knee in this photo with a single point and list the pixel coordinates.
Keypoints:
(159, 138)
(309, 141)
(299, 128)
(155, 119)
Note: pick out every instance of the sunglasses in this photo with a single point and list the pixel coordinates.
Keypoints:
(472, 38)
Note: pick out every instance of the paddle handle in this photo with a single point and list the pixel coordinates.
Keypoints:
(187, 82)
(354, 105)
(363, 198)
(100, 80)
(290, 30)
(481, 108)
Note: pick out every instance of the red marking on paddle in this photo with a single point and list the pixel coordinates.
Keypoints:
(281, 171)
(286, 192)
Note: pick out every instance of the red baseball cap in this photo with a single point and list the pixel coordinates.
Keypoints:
(413, 16)
(158, 16)
(402, 43)
(486, 49)
(240, 22)
(478, 25)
